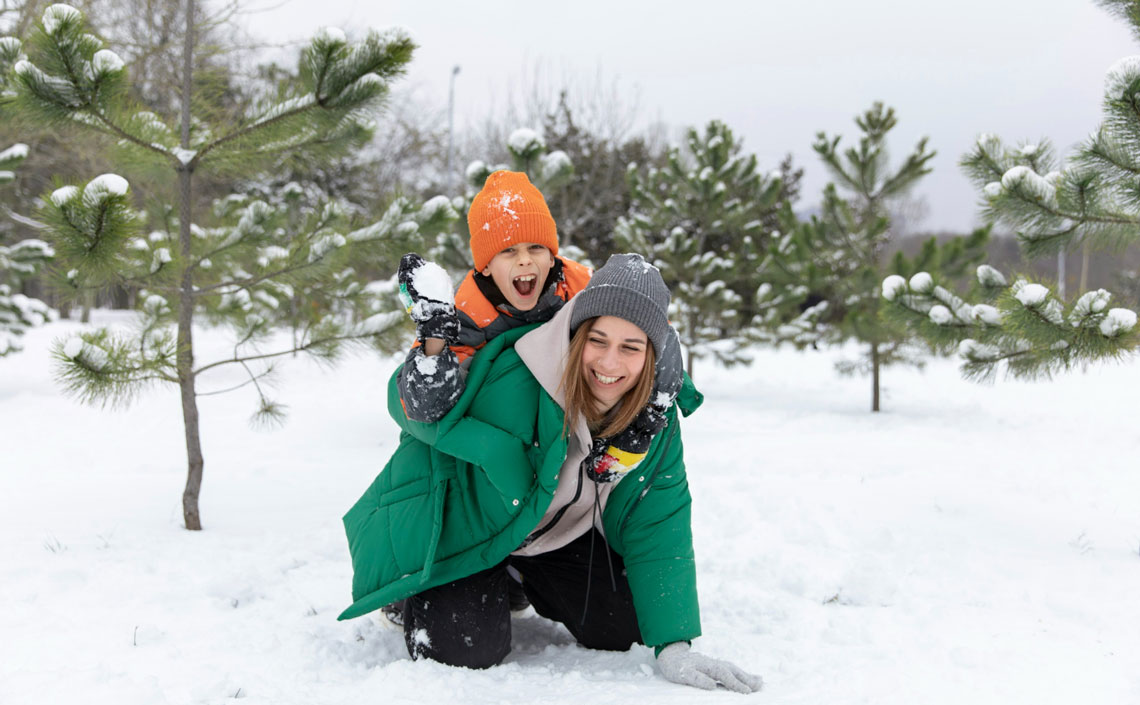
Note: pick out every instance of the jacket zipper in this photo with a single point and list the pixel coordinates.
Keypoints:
(534, 535)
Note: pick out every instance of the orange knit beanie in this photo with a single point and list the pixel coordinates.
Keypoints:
(508, 210)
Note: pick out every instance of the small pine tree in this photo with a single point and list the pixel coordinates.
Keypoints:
(18, 313)
(700, 220)
(253, 264)
(841, 255)
(1090, 199)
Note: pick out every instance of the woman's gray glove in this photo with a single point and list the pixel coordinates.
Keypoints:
(680, 665)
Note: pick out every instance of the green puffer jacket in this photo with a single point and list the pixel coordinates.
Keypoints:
(459, 495)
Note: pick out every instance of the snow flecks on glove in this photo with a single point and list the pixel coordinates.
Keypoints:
(429, 385)
(680, 664)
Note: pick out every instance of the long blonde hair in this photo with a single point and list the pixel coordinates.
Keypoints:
(580, 401)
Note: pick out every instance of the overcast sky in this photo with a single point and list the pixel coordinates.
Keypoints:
(777, 72)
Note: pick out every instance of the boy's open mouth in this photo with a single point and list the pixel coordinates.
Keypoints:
(525, 284)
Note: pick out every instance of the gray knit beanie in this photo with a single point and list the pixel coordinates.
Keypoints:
(630, 288)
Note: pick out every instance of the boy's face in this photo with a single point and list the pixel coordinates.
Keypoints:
(519, 271)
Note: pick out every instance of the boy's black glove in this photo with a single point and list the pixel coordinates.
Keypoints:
(425, 290)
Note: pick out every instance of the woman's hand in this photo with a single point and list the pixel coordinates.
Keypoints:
(679, 664)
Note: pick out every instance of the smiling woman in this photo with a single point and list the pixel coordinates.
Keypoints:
(503, 494)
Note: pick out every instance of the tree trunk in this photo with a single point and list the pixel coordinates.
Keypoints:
(1084, 268)
(186, 299)
(874, 376)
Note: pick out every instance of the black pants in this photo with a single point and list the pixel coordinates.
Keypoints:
(468, 622)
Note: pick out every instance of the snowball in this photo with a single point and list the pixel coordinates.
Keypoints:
(992, 189)
(331, 34)
(1119, 76)
(922, 282)
(892, 285)
(1117, 322)
(988, 276)
(524, 140)
(111, 183)
(432, 282)
(64, 194)
(106, 61)
(1032, 295)
(987, 314)
(57, 14)
(941, 315)
(73, 347)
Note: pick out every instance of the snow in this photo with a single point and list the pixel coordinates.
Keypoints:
(922, 282)
(16, 151)
(110, 183)
(1120, 75)
(958, 547)
(331, 34)
(987, 314)
(892, 286)
(941, 315)
(106, 61)
(10, 46)
(431, 281)
(1031, 295)
(184, 155)
(1030, 182)
(1117, 322)
(523, 140)
(992, 189)
(57, 14)
(63, 194)
(988, 276)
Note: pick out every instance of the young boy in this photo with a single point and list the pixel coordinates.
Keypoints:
(518, 279)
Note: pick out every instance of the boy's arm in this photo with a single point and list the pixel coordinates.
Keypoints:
(430, 381)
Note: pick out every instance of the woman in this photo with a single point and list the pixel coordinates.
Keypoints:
(498, 491)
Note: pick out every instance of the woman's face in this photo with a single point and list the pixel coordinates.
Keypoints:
(613, 359)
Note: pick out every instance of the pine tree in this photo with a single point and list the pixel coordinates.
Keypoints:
(700, 220)
(22, 259)
(841, 255)
(250, 263)
(1092, 198)
(18, 313)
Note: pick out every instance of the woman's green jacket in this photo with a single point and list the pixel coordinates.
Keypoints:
(459, 495)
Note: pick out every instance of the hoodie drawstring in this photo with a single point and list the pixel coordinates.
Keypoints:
(594, 513)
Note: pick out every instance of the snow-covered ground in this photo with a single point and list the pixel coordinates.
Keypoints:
(970, 544)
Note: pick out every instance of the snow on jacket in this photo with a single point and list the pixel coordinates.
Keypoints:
(458, 496)
(429, 386)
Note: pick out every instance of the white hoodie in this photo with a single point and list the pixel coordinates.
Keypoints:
(544, 351)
